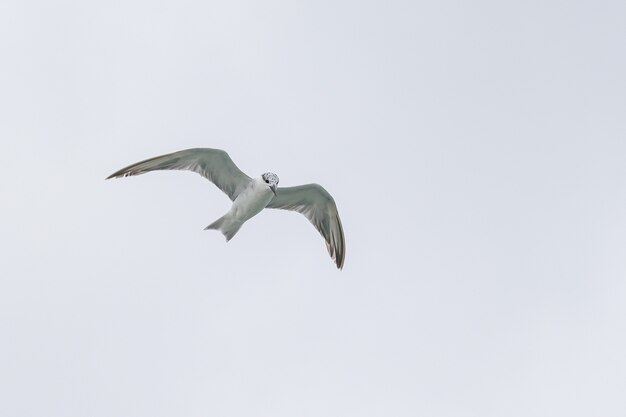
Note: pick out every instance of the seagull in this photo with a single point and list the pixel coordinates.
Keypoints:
(251, 195)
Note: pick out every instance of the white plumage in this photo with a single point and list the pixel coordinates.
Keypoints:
(251, 196)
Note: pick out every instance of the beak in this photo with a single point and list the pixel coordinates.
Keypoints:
(273, 188)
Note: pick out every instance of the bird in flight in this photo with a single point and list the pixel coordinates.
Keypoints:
(251, 195)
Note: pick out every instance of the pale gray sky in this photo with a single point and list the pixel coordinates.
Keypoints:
(476, 153)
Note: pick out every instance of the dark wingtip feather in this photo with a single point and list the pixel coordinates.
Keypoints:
(117, 174)
(124, 172)
(340, 248)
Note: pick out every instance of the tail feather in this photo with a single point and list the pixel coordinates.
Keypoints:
(217, 224)
(228, 229)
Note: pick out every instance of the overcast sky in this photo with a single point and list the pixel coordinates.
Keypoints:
(475, 151)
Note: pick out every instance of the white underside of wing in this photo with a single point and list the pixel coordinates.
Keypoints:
(213, 164)
(317, 205)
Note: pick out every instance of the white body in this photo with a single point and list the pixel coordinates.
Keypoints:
(250, 202)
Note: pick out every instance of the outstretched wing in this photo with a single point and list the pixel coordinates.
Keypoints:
(213, 164)
(318, 206)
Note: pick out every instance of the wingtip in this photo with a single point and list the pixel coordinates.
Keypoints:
(116, 174)
(339, 264)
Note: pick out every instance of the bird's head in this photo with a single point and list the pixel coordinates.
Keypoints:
(271, 180)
